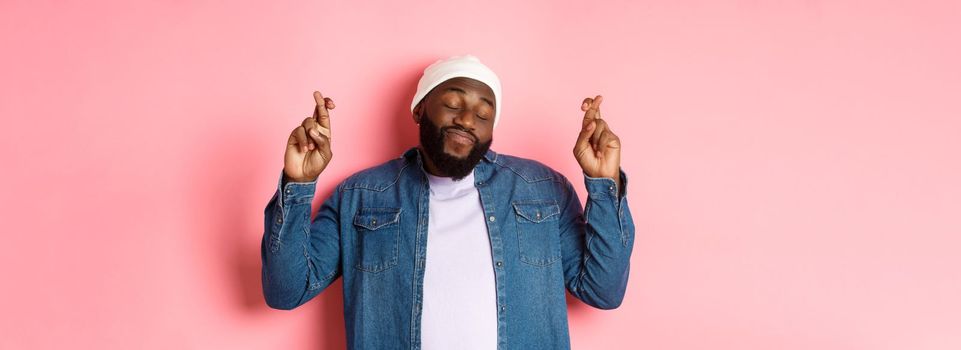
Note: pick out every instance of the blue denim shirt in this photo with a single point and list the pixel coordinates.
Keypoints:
(372, 231)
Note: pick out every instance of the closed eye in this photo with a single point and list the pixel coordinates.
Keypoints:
(457, 108)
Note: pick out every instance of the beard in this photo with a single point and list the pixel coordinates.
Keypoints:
(432, 139)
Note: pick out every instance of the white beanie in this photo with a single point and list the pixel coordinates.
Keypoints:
(466, 66)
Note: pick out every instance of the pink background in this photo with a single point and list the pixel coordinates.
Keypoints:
(794, 165)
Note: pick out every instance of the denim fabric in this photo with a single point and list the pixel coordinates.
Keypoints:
(372, 231)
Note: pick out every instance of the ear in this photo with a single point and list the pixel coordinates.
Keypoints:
(415, 114)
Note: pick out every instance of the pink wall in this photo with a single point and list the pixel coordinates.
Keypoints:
(794, 164)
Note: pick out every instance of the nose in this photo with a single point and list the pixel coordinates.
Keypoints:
(465, 119)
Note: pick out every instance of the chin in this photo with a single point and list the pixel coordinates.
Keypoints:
(455, 155)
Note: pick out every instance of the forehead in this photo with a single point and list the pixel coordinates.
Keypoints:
(470, 86)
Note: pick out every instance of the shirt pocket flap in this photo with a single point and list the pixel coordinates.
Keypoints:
(375, 218)
(537, 210)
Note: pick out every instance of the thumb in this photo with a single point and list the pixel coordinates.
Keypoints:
(585, 134)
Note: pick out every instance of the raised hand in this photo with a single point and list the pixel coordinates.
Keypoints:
(598, 149)
(308, 147)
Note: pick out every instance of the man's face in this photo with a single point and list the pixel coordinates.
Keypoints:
(456, 125)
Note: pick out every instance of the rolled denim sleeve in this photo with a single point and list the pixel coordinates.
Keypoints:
(597, 243)
(299, 257)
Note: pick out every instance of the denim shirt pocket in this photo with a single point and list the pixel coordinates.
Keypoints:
(537, 232)
(378, 232)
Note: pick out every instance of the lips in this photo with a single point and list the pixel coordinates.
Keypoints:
(460, 137)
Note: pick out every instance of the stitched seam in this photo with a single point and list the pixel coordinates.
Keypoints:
(364, 186)
(526, 179)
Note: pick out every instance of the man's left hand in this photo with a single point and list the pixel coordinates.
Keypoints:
(598, 149)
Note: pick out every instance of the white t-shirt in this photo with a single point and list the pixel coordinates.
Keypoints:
(460, 303)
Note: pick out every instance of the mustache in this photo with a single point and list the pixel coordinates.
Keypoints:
(461, 129)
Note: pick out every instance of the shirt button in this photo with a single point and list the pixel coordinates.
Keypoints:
(373, 222)
(499, 264)
(288, 191)
(492, 218)
(611, 188)
(538, 215)
(503, 308)
(280, 220)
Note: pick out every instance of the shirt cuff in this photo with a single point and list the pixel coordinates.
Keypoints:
(295, 192)
(598, 187)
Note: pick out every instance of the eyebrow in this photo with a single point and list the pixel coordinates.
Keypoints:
(456, 89)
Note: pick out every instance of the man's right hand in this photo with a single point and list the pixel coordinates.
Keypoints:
(308, 147)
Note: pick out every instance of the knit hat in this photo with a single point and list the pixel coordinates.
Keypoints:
(466, 66)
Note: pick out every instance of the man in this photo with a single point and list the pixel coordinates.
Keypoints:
(451, 245)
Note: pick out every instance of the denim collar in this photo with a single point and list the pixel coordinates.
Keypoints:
(482, 171)
(413, 154)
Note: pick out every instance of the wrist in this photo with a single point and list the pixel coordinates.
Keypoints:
(616, 176)
(295, 179)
